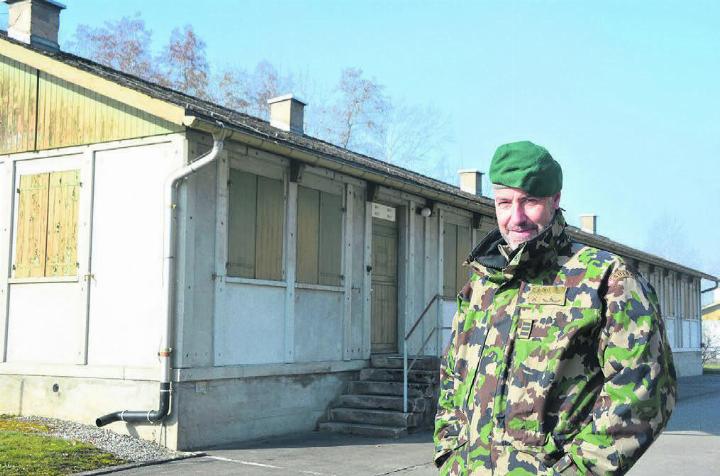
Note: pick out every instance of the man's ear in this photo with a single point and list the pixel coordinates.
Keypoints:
(556, 201)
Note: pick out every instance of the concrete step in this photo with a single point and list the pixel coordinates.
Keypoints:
(374, 417)
(370, 387)
(396, 375)
(382, 402)
(363, 429)
(392, 361)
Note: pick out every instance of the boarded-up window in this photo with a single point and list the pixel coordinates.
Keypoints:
(319, 237)
(456, 247)
(47, 219)
(255, 226)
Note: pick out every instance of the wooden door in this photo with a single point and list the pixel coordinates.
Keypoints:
(384, 286)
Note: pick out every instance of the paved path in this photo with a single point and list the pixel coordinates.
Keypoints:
(689, 446)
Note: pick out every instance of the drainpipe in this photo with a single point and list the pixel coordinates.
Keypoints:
(171, 187)
(710, 289)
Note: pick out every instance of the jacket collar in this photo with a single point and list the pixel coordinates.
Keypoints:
(528, 259)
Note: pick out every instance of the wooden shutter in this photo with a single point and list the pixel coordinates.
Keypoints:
(269, 234)
(330, 254)
(32, 226)
(242, 211)
(63, 205)
(464, 243)
(449, 260)
(308, 226)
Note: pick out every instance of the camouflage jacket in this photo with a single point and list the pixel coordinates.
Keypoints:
(558, 363)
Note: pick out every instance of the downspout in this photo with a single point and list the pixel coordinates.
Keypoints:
(171, 187)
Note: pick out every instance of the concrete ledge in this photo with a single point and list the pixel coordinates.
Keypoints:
(83, 371)
(266, 370)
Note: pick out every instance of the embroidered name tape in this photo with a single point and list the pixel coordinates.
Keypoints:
(547, 295)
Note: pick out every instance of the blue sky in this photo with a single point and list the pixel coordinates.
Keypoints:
(625, 95)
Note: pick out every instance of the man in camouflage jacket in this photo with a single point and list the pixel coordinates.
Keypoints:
(558, 361)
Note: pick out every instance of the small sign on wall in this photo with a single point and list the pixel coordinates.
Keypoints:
(383, 212)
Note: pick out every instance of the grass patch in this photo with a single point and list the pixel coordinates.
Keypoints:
(26, 450)
(711, 368)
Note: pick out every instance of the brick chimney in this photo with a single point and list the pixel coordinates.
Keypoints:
(471, 181)
(286, 113)
(35, 22)
(588, 223)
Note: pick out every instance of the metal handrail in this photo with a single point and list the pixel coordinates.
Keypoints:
(406, 369)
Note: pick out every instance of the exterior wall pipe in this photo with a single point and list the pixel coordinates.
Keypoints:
(711, 288)
(171, 187)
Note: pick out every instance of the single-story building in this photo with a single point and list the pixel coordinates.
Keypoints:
(164, 253)
(711, 328)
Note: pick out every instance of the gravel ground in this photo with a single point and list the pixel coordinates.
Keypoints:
(133, 450)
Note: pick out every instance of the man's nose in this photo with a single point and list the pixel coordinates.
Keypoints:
(518, 214)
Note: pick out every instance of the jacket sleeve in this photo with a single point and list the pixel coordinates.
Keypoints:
(639, 389)
(449, 420)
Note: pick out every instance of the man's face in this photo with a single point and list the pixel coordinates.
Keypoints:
(522, 217)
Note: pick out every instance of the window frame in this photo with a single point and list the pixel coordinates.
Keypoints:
(322, 185)
(268, 169)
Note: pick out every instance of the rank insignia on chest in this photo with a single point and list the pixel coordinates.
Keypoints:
(525, 329)
(546, 295)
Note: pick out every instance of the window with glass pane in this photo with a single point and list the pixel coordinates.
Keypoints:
(256, 213)
(319, 237)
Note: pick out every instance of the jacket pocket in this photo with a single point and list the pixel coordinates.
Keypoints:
(545, 353)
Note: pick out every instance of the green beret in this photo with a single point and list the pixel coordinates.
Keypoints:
(528, 167)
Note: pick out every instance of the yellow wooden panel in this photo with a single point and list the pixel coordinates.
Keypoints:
(450, 285)
(464, 243)
(269, 234)
(330, 246)
(308, 226)
(242, 212)
(30, 242)
(18, 92)
(63, 206)
(72, 115)
(384, 286)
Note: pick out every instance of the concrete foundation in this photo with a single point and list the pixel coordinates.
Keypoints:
(217, 412)
(688, 363)
(84, 399)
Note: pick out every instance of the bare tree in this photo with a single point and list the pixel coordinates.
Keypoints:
(183, 63)
(121, 44)
(668, 238)
(356, 115)
(416, 137)
(356, 120)
(249, 92)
